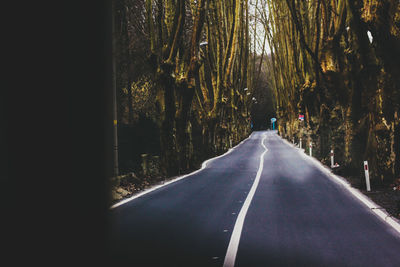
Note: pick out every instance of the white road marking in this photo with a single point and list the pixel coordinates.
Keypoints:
(230, 256)
(203, 166)
(375, 208)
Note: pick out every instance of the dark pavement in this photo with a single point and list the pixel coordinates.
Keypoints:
(297, 217)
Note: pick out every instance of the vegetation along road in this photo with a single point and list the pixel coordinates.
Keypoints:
(263, 203)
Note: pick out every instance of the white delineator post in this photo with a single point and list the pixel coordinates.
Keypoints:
(293, 140)
(310, 149)
(300, 143)
(332, 161)
(367, 175)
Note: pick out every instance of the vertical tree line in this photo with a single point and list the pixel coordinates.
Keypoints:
(325, 65)
(183, 65)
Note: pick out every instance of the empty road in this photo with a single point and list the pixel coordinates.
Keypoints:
(261, 204)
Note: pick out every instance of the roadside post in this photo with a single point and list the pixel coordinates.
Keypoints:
(367, 175)
(310, 149)
(332, 160)
(301, 118)
(293, 140)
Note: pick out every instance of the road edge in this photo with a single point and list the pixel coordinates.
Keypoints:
(376, 209)
(155, 187)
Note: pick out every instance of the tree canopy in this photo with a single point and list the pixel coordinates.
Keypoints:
(202, 70)
(185, 65)
(336, 62)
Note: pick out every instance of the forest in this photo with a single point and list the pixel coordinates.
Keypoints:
(194, 78)
(336, 62)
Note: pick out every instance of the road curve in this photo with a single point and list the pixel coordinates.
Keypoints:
(297, 216)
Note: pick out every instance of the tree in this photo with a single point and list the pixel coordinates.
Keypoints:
(191, 58)
(323, 65)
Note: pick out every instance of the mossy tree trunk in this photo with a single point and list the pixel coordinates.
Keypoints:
(322, 63)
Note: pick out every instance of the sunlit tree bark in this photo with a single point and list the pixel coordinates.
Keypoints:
(324, 66)
(194, 85)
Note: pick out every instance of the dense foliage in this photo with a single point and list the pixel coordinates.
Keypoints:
(183, 67)
(193, 74)
(337, 62)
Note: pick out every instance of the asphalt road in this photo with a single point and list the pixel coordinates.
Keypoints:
(295, 216)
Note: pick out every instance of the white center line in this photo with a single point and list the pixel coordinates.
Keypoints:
(230, 256)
